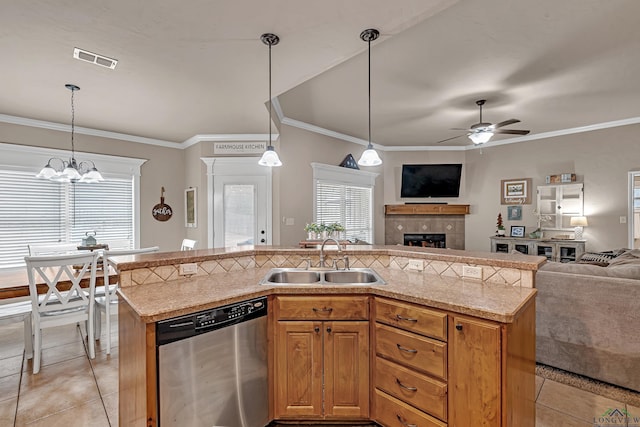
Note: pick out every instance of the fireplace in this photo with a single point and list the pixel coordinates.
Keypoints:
(429, 240)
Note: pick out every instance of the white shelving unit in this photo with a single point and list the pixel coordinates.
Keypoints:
(560, 202)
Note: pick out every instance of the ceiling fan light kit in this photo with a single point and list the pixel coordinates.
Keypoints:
(369, 156)
(482, 132)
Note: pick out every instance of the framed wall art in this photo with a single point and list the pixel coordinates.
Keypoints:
(515, 191)
(190, 208)
(514, 213)
(517, 231)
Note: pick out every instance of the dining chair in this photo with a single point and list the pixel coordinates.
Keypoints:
(106, 302)
(19, 312)
(65, 300)
(39, 249)
(188, 244)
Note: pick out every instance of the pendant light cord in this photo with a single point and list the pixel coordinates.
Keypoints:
(270, 94)
(369, 43)
(73, 117)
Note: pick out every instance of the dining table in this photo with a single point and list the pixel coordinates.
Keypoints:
(14, 282)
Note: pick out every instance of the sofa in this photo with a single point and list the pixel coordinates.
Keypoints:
(588, 316)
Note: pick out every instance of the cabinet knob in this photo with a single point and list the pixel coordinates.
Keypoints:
(316, 329)
(459, 327)
(329, 330)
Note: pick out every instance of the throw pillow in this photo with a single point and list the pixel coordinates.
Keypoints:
(597, 258)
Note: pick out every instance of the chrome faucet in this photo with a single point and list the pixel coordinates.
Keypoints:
(322, 263)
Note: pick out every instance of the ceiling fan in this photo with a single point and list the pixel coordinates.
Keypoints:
(482, 132)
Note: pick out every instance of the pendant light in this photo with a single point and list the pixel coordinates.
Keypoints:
(369, 156)
(270, 157)
(71, 170)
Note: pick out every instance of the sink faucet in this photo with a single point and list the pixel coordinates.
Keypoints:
(322, 263)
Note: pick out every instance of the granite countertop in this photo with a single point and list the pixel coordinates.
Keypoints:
(160, 301)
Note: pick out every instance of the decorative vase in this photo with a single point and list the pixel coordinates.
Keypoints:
(500, 232)
(311, 235)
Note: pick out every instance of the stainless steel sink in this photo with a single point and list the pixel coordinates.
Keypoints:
(293, 276)
(299, 276)
(351, 276)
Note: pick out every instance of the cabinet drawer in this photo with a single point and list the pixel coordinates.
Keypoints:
(322, 308)
(415, 351)
(412, 318)
(391, 412)
(426, 394)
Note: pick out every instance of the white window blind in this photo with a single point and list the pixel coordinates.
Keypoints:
(348, 205)
(38, 211)
(345, 196)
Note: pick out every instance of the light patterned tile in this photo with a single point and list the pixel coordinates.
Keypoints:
(456, 267)
(246, 262)
(449, 272)
(111, 406)
(9, 386)
(575, 402)
(209, 266)
(8, 410)
(125, 279)
(164, 271)
(261, 260)
(510, 275)
(526, 279)
(440, 266)
(105, 369)
(71, 382)
(88, 414)
(140, 275)
(547, 417)
(539, 382)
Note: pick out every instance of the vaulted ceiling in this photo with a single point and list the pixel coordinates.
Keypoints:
(199, 67)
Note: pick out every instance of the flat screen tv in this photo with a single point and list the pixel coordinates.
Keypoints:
(438, 180)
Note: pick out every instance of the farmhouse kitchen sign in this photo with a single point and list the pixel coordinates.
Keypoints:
(237, 147)
(162, 211)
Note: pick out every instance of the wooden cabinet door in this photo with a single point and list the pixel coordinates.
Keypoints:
(298, 369)
(474, 372)
(346, 369)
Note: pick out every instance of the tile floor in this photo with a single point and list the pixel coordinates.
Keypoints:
(72, 390)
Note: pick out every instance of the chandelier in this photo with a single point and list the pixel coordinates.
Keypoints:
(71, 170)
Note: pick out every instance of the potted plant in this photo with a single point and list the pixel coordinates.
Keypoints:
(312, 231)
(500, 226)
(335, 229)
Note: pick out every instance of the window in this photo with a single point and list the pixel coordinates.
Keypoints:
(345, 196)
(33, 210)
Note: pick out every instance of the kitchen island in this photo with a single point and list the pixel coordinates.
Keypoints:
(480, 334)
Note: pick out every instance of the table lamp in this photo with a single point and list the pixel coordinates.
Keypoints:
(578, 222)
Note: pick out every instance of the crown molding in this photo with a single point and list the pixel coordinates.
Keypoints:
(22, 121)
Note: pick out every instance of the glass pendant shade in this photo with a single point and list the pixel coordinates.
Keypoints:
(270, 158)
(47, 172)
(370, 157)
(480, 137)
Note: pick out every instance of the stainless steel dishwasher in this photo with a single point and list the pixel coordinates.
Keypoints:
(212, 367)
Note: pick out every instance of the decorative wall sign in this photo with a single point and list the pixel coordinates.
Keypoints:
(239, 147)
(190, 208)
(515, 191)
(162, 211)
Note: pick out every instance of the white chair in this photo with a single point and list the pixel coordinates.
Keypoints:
(107, 302)
(19, 312)
(39, 249)
(58, 306)
(188, 244)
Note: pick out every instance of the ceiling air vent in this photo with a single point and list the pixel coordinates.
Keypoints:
(94, 58)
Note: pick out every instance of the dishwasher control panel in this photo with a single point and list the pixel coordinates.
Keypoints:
(208, 320)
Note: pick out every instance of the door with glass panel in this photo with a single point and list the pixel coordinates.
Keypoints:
(240, 211)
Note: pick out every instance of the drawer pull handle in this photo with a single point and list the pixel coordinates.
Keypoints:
(405, 387)
(404, 423)
(407, 319)
(323, 309)
(406, 350)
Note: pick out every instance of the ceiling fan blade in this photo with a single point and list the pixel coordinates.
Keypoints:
(467, 130)
(512, 131)
(449, 139)
(506, 123)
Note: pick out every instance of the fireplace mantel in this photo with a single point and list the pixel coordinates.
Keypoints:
(426, 209)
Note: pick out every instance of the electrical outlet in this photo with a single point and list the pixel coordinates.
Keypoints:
(472, 272)
(623, 220)
(415, 264)
(187, 269)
